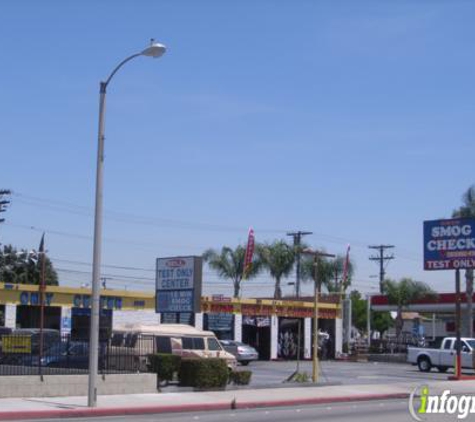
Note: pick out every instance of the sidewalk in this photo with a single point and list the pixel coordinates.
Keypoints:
(61, 407)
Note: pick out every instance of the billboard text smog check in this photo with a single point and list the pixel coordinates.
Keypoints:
(449, 244)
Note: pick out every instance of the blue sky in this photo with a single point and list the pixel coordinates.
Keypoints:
(354, 120)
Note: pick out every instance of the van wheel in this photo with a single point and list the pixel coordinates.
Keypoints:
(424, 364)
(442, 369)
(244, 362)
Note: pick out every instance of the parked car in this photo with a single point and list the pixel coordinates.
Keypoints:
(20, 344)
(139, 341)
(243, 352)
(442, 357)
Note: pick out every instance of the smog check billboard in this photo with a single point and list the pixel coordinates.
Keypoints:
(178, 284)
(449, 244)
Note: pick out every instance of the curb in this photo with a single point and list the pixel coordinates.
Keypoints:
(144, 410)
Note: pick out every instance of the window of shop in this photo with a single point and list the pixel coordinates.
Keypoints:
(28, 316)
(256, 332)
(291, 338)
(2, 315)
(81, 323)
(187, 318)
(220, 324)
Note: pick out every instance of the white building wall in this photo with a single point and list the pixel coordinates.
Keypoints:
(238, 327)
(10, 316)
(121, 319)
(199, 321)
(338, 336)
(307, 339)
(274, 339)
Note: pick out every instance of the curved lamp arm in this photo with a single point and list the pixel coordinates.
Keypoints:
(104, 84)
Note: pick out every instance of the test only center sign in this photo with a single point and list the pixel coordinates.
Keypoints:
(178, 284)
(449, 244)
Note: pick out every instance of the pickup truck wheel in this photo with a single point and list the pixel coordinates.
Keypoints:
(442, 369)
(424, 364)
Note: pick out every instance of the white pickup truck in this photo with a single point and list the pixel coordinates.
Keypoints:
(442, 357)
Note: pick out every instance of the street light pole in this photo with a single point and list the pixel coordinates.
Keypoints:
(316, 254)
(154, 50)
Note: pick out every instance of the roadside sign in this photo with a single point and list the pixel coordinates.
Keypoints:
(178, 284)
(449, 244)
(16, 344)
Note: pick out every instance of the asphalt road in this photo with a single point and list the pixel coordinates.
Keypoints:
(386, 411)
(339, 372)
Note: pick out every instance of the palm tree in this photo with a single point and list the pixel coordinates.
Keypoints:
(467, 210)
(328, 273)
(278, 258)
(229, 264)
(402, 293)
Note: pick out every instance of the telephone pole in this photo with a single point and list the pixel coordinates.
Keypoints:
(297, 241)
(381, 258)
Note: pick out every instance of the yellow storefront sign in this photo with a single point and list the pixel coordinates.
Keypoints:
(16, 344)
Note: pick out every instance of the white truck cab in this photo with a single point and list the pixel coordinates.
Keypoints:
(443, 357)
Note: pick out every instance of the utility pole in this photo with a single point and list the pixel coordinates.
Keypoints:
(297, 241)
(381, 258)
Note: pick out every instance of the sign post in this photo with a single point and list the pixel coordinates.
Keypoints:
(178, 284)
(450, 245)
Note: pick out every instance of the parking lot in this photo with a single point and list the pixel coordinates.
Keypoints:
(342, 373)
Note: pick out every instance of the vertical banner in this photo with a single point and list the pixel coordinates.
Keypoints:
(345, 269)
(249, 253)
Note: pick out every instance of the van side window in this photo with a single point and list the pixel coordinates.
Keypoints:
(117, 339)
(213, 344)
(130, 340)
(193, 343)
(164, 344)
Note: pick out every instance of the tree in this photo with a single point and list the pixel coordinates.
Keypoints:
(381, 322)
(358, 311)
(329, 272)
(229, 264)
(467, 210)
(278, 258)
(402, 293)
(23, 267)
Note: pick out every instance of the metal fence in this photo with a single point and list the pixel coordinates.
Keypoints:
(20, 354)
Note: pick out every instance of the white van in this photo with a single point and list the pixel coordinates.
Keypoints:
(178, 339)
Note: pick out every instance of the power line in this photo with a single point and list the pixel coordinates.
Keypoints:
(64, 206)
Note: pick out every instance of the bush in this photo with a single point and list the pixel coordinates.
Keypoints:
(165, 365)
(241, 377)
(203, 373)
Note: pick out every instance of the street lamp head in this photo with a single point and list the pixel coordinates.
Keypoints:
(155, 50)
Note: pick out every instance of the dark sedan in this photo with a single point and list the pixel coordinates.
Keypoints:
(243, 352)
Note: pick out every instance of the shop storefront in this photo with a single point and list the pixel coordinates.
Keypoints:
(69, 310)
(277, 329)
(274, 327)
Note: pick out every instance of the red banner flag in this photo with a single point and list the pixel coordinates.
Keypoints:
(345, 268)
(249, 253)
